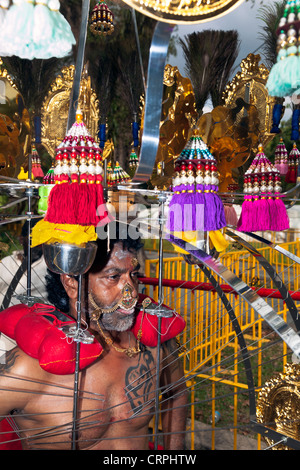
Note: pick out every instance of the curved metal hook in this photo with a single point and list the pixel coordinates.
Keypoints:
(240, 338)
(276, 247)
(273, 275)
(289, 336)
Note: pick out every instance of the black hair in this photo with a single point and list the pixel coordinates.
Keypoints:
(56, 293)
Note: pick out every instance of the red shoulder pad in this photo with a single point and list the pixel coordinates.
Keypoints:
(10, 317)
(44, 340)
(170, 326)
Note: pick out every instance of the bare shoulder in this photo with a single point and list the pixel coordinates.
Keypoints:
(19, 374)
(15, 364)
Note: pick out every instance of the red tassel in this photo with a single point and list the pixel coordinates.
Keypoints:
(291, 175)
(60, 205)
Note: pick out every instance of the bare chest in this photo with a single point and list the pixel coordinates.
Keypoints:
(116, 397)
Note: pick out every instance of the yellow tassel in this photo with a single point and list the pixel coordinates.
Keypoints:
(47, 232)
(216, 238)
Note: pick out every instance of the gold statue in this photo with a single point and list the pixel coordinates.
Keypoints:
(234, 130)
(177, 117)
(15, 130)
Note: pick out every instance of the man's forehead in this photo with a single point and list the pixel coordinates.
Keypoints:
(119, 254)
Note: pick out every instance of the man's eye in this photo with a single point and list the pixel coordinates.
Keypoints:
(114, 276)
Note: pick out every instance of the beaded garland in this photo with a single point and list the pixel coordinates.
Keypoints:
(78, 157)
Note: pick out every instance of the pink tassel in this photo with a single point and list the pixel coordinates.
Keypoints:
(245, 222)
(282, 168)
(263, 217)
(230, 215)
(280, 218)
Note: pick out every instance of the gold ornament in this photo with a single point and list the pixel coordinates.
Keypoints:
(184, 11)
(233, 131)
(278, 404)
(55, 108)
(15, 129)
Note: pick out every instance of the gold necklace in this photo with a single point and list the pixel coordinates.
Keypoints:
(130, 352)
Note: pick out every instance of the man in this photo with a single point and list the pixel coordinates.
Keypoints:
(117, 390)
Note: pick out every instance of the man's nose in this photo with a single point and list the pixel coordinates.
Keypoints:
(132, 286)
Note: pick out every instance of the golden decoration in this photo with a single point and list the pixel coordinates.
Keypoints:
(15, 129)
(278, 404)
(184, 11)
(249, 84)
(177, 117)
(55, 108)
(234, 130)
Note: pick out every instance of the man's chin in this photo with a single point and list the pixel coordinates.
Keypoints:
(121, 321)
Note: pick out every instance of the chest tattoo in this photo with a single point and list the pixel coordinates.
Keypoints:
(140, 382)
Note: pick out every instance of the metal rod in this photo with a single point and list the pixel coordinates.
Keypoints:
(160, 296)
(79, 63)
(29, 193)
(138, 47)
(76, 373)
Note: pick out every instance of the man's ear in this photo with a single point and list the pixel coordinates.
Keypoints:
(70, 284)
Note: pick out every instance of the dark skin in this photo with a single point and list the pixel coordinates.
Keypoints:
(116, 392)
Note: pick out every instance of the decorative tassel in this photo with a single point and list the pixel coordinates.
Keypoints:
(230, 215)
(293, 162)
(36, 164)
(276, 118)
(37, 129)
(135, 133)
(195, 205)
(77, 192)
(4, 5)
(263, 208)
(281, 158)
(44, 191)
(133, 160)
(102, 135)
(284, 77)
(102, 20)
(35, 31)
(295, 124)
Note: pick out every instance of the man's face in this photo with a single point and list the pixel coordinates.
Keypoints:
(115, 288)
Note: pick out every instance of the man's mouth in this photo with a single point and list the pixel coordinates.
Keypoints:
(126, 311)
